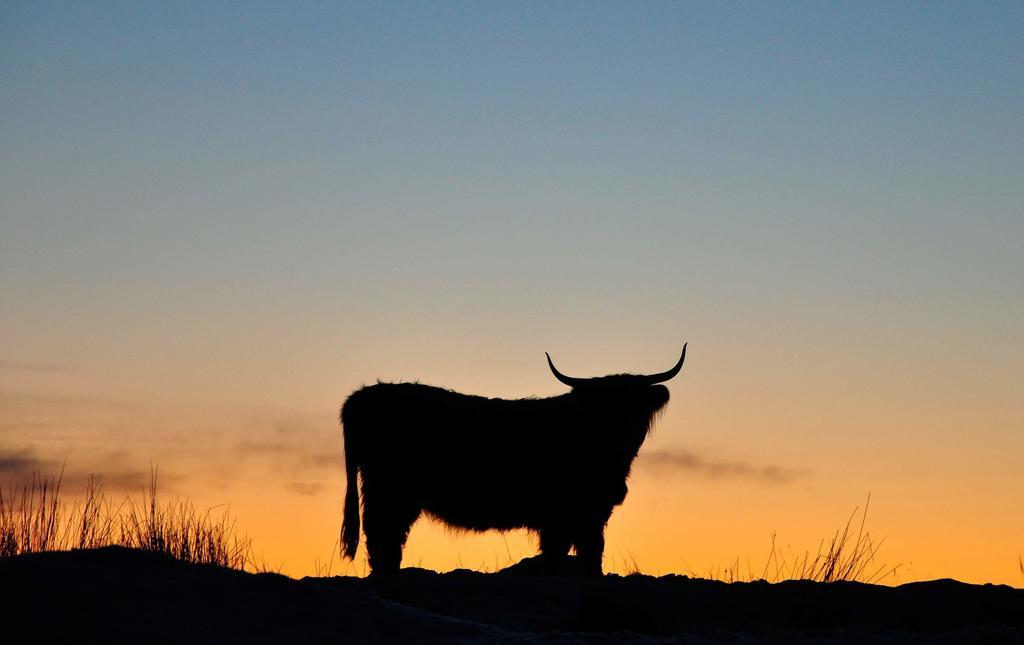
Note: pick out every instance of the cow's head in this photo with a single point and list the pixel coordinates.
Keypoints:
(618, 410)
(622, 394)
(642, 389)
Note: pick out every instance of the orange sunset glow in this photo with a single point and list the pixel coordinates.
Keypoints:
(217, 224)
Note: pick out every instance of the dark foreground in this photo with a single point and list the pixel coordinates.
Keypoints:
(117, 595)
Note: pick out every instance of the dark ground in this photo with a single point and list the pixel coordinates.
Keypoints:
(118, 595)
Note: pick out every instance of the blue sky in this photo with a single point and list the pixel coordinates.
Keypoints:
(373, 132)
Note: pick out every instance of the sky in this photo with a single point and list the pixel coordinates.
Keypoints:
(219, 219)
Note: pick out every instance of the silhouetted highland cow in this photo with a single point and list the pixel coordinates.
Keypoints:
(557, 466)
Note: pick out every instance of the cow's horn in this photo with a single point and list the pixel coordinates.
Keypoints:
(568, 380)
(664, 376)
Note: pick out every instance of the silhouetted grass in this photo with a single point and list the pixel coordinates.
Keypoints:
(848, 556)
(34, 518)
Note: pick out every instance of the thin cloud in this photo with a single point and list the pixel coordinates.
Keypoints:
(290, 455)
(26, 426)
(15, 464)
(249, 447)
(666, 462)
(19, 467)
(19, 366)
(298, 453)
(305, 488)
(45, 414)
(328, 460)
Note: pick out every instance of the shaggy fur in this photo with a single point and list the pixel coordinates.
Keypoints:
(556, 466)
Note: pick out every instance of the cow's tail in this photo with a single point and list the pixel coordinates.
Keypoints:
(350, 523)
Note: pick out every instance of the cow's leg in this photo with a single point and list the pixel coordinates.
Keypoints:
(554, 546)
(590, 548)
(386, 522)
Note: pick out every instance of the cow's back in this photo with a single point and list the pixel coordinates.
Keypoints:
(474, 462)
